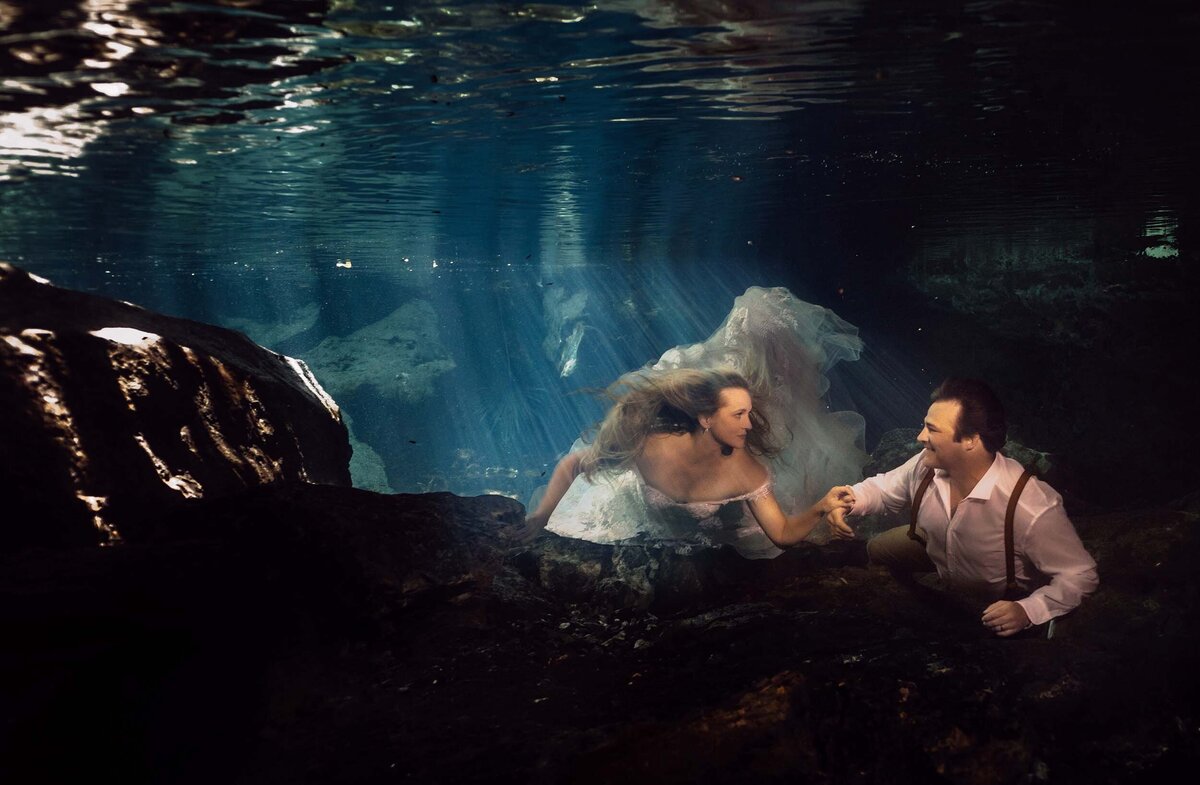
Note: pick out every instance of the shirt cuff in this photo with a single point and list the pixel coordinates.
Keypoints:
(859, 508)
(1035, 608)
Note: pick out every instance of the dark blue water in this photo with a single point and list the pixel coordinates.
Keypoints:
(486, 208)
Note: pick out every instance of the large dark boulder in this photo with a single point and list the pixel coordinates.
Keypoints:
(110, 413)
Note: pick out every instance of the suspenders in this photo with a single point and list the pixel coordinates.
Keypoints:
(1011, 572)
(1011, 589)
(916, 506)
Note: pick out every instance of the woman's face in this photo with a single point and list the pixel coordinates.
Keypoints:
(730, 423)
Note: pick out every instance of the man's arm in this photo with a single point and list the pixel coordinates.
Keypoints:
(890, 491)
(1055, 549)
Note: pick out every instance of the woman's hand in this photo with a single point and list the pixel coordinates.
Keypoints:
(834, 507)
(528, 531)
(840, 497)
(786, 530)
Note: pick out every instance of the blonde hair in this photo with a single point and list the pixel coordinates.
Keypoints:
(647, 403)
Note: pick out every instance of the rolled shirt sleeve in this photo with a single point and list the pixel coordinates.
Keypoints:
(890, 491)
(1053, 546)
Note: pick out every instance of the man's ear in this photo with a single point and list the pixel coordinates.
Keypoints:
(972, 442)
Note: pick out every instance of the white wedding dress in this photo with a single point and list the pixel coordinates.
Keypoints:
(784, 346)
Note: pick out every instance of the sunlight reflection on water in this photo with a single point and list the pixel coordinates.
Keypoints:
(574, 188)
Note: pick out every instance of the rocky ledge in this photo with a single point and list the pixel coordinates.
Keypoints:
(297, 633)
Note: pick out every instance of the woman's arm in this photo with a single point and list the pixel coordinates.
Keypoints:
(785, 530)
(564, 474)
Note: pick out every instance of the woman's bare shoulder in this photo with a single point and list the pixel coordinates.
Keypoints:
(753, 470)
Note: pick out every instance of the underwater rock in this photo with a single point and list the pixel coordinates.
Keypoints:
(662, 577)
(367, 469)
(1052, 291)
(370, 557)
(894, 448)
(301, 633)
(273, 333)
(174, 636)
(111, 412)
(399, 356)
(570, 351)
(564, 328)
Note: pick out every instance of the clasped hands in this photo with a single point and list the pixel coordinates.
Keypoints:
(834, 506)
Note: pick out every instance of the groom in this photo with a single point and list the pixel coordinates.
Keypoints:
(959, 490)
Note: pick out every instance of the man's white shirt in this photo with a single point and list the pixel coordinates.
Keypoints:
(968, 547)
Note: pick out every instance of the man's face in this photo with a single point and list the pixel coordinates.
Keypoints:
(937, 437)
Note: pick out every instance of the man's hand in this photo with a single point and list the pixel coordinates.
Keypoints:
(1005, 618)
(839, 497)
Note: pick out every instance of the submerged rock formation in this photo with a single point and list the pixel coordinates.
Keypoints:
(399, 357)
(301, 633)
(109, 412)
(271, 333)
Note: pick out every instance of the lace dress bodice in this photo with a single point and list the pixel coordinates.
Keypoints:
(623, 507)
(701, 511)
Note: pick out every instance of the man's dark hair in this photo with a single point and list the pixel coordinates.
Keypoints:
(982, 413)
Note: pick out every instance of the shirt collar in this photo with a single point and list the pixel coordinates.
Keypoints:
(983, 488)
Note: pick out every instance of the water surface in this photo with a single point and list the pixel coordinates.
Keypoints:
(492, 206)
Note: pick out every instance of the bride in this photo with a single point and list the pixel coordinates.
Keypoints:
(710, 444)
